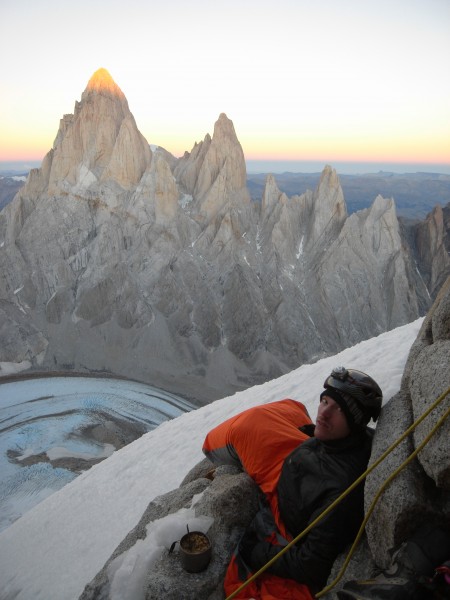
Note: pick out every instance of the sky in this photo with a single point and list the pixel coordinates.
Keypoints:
(326, 81)
(57, 547)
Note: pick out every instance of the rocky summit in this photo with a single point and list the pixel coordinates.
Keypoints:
(117, 259)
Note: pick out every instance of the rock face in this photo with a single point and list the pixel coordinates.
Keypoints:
(230, 499)
(431, 247)
(420, 492)
(423, 488)
(117, 259)
(99, 142)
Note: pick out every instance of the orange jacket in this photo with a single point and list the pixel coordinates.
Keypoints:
(258, 440)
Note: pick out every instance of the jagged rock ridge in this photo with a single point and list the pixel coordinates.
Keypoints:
(115, 258)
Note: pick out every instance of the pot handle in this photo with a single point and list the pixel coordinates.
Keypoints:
(172, 547)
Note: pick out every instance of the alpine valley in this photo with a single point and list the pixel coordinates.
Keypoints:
(121, 259)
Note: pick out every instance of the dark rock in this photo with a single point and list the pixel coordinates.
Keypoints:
(230, 497)
(422, 490)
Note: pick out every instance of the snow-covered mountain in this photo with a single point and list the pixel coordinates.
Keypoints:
(55, 549)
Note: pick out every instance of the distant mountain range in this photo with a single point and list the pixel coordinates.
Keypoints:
(415, 194)
(10, 184)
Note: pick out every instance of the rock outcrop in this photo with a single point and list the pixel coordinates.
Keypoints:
(134, 262)
(100, 142)
(229, 499)
(420, 492)
(431, 246)
(423, 488)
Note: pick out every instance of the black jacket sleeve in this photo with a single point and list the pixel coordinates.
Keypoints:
(310, 560)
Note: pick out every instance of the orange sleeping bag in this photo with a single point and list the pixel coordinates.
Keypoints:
(258, 440)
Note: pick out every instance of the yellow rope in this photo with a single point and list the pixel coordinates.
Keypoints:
(346, 492)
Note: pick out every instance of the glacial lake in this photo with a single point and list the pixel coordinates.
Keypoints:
(54, 428)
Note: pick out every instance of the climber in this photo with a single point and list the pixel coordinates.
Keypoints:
(316, 465)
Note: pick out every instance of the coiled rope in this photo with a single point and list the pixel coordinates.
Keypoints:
(346, 492)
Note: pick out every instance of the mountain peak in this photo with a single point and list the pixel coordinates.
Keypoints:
(224, 128)
(101, 80)
(99, 141)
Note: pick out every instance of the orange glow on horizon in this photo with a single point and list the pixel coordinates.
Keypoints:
(338, 136)
(32, 150)
(393, 150)
(36, 152)
(261, 143)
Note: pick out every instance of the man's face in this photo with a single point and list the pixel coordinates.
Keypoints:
(331, 423)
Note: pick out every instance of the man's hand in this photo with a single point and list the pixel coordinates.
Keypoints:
(248, 542)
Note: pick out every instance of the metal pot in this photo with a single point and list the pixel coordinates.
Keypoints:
(195, 551)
